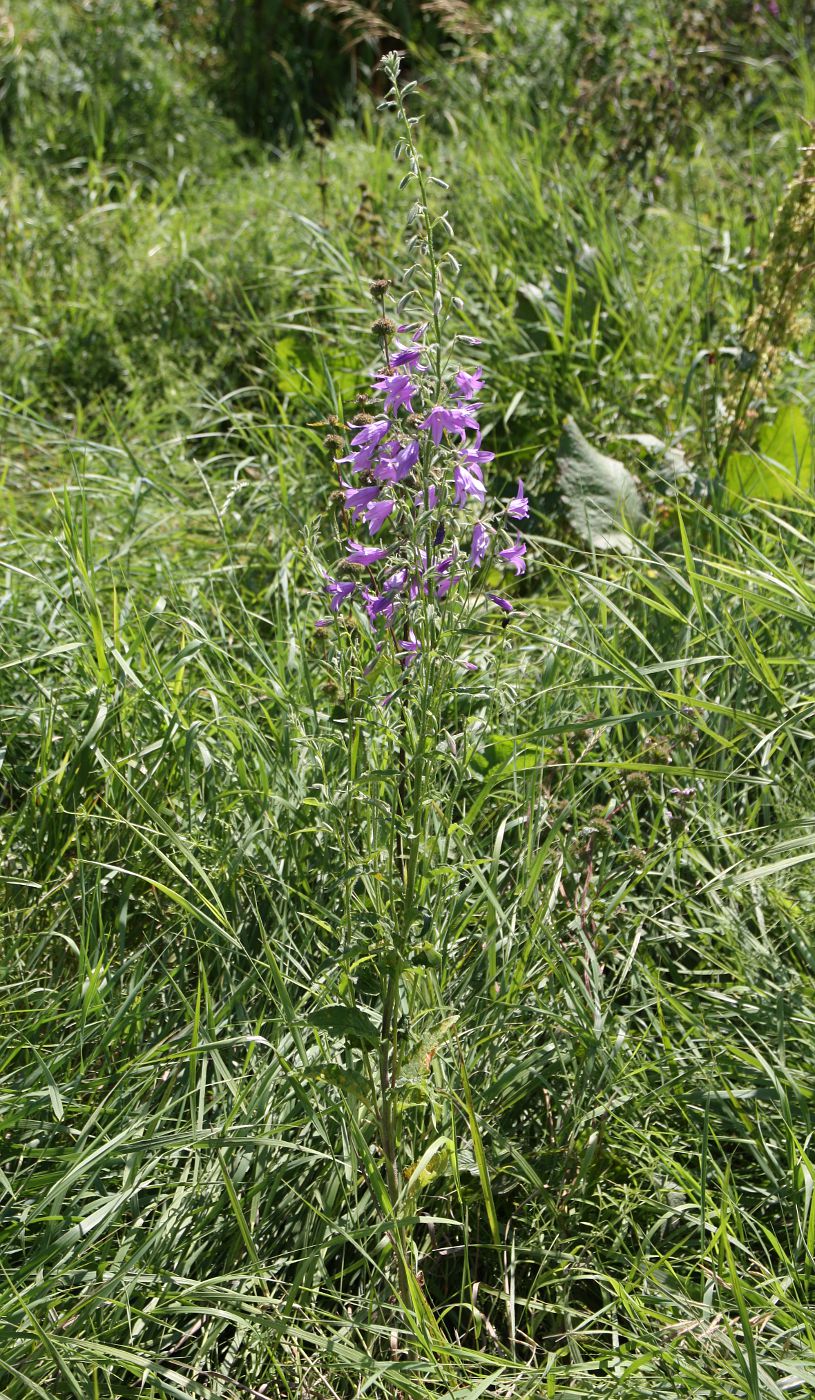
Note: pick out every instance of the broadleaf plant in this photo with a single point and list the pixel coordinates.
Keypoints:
(600, 494)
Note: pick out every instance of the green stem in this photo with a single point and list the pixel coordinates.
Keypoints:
(428, 225)
(387, 1090)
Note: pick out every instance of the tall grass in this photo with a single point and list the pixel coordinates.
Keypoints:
(605, 1160)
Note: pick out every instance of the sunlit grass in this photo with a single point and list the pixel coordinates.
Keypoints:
(615, 1030)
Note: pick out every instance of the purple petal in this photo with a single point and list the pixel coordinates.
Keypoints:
(365, 553)
(518, 507)
(514, 556)
(371, 434)
(377, 513)
(446, 584)
(480, 544)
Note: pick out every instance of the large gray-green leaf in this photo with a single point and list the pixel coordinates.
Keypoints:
(600, 495)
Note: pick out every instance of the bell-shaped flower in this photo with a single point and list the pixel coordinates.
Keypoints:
(376, 514)
(338, 590)
(371, 434)
(469, 386)
(480, 544)
(397, 465)
(364, 553)
(446, 584)
(398, 390)
(410, 649)
(518, 507)
(515, 556)
(405, 356)
(442, 419)
(357, 498)
(468, 484)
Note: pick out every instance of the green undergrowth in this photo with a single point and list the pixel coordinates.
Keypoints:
(607, 1149)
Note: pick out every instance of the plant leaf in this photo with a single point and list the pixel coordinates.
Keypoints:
(599, 493)
(347, 1022)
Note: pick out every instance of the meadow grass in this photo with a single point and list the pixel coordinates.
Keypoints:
(606, 1157)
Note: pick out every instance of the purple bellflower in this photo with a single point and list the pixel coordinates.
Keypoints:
(339, 591)
(364, 553)
(518, 507)
(431, 480)
(412, 472)
(469, 386)
(372, 433)
(377, 513)
(468, 484)
(398, 390)
(410, 649)
(442, 419)
(514, 556)
(405, 356)
(480, 544)
(358, 498)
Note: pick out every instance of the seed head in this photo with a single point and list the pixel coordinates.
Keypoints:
(599, 821)
(786, 277)
(379, 287)
(383, 327)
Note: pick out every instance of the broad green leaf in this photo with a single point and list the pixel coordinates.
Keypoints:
(599, 493)
(782, 466)
(346, 1022)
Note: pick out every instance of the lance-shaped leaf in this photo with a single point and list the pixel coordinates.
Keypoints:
(600, 495)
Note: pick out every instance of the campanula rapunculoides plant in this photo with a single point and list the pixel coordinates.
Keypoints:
(413, 601)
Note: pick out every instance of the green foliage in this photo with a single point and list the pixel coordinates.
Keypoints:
(285, 63)
(782, 467)
(607, 1008)
(92, 87)
(600, 496)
